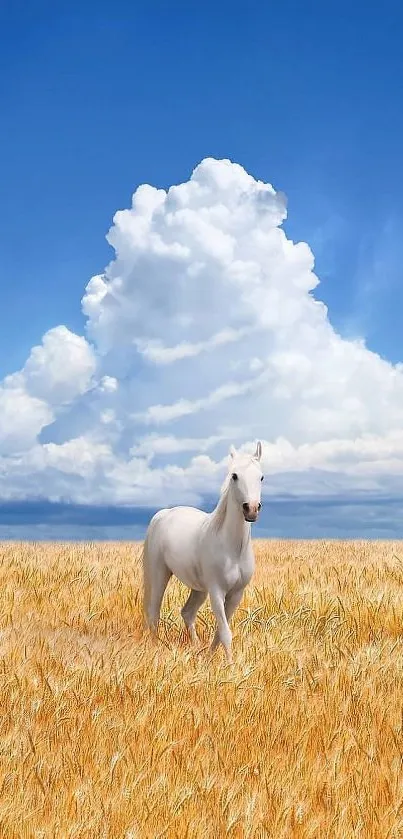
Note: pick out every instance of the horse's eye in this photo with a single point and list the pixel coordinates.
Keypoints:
(262, 478)
(234, 476)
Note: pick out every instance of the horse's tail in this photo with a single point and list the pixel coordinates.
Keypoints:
(147, 555)
(149, 558)
(146, 582)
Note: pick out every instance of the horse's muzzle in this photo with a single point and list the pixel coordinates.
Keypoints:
(251, 511)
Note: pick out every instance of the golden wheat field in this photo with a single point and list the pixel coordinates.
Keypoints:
(105, 734)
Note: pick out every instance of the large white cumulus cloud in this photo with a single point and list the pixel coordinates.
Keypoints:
(203, 330)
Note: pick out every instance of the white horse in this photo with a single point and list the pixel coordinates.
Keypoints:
(211, 553)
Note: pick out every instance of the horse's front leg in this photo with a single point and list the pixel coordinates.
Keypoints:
(231, 602)
(223, 609)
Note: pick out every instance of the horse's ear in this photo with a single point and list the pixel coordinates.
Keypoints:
(232, 451)
(258, 452)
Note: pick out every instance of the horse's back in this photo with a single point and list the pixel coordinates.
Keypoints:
(176, 515)
(173, 535)
(155, 520)
(174, 524)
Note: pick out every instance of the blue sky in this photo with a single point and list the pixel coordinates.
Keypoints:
(98, 99)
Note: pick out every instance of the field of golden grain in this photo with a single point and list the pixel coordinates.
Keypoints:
(104, 734)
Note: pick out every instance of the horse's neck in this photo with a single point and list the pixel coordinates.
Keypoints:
(229, 520)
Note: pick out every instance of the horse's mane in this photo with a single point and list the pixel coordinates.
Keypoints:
(218, 515)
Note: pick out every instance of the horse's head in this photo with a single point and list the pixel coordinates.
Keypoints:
(245, 481)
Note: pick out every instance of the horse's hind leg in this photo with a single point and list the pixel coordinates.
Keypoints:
(190, 610)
